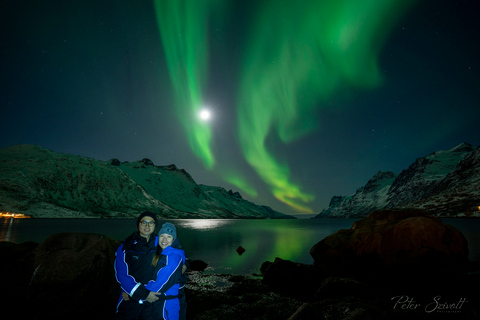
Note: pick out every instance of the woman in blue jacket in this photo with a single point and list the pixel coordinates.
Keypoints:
(168, 262)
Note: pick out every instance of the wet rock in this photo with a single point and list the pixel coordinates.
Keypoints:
(264, 267)
(292, 279)
(240, 250)
(16, 270)
(396, 243)
(197, 265)
(307, 311)
(74, 276)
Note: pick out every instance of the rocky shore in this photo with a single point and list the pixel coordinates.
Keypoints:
(391, 265)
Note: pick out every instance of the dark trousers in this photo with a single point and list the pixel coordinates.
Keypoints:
(183, 308)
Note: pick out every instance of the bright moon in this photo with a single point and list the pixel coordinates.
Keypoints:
(205, 115)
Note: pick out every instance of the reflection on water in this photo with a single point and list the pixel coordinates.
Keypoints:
(6, 231)
(263, 240)
(215, 241)
(203, 225)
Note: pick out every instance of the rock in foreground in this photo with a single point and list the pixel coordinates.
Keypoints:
(394, 242)
(74, 276)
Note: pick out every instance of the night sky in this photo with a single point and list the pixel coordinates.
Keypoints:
(307, 99)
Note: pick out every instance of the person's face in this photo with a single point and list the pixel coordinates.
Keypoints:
(165, 240)
(146, 227)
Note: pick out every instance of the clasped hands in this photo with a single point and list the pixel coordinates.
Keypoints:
(152, 296)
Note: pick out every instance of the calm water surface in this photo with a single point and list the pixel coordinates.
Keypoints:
(215, 241)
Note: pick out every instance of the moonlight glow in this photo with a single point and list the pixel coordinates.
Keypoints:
(183, 31)
(205, 114)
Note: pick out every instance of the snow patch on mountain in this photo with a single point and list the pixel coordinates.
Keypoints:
(444, 183)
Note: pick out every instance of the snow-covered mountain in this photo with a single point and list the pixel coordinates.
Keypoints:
(445, 183)
(42, 183)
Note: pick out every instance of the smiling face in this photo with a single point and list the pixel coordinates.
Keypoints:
(165, 240)
(146, 227)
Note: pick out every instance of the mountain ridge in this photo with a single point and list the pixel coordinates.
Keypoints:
(445, 183)
(46, 184)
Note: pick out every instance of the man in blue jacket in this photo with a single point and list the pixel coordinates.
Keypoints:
(133, 269)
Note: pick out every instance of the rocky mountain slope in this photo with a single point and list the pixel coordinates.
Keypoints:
(445, 183)
(43, 183)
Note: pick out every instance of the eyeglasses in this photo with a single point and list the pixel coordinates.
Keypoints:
(150, 223)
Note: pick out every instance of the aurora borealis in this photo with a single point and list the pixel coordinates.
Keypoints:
(183, 30)
(308, 99)
(304, 53)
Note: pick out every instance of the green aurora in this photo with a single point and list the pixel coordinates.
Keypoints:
(297, 55)
(183, 30)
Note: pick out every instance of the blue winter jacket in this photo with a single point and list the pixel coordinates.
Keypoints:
(169, 272)
(133, 265)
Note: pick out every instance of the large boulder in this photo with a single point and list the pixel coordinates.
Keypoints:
(293, 279)
(16, 270)
(74, 278)
(392, 242)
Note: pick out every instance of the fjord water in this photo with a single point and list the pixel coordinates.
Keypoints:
(215, 241)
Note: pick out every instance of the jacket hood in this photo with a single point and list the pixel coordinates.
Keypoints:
(171, 250)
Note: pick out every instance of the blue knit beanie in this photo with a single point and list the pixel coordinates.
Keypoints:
(170, 229)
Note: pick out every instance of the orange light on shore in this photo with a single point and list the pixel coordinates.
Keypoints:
(14, 215)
